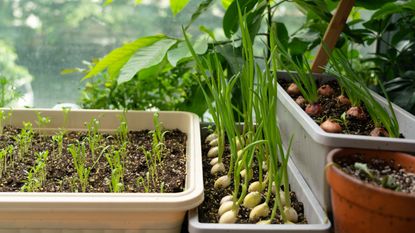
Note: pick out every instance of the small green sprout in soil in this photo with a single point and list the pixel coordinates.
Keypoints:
(65, 162)
(41, 121)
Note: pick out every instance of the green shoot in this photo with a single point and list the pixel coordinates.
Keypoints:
(122, 130)
(117, 170)
(37, 174)
(4, 117)
(158, 138)
(24, 140)
(66, 112)
(144, 182)
(79, 157)
(41, 121)
(6, 153)
(355, 85)
(362, 167)
(303, 77)
(58, 138)
(93, 136)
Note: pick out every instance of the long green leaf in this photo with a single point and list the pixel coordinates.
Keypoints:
(121, 53)
(145, 58)
(177, 5)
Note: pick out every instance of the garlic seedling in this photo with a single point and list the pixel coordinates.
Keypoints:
(301, 101)
(379, 132)
(214, 142)
(224, 207)
(264, 166)
(211, 137)
(291, 214)
(213, 152)
(217, 168)
(214, 161)
(252, 199)
(226, 198)
(342, 100)
(313, 109)
(229, 217)
(222, 182)
(239, 143)
(258, 212)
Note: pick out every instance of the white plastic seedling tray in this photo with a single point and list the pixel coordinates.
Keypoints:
(106, 212)
(311, 144)
(317, 219)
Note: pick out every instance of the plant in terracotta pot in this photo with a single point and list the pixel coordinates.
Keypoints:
(372, 190)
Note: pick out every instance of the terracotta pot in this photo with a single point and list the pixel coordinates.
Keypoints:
(364, 208)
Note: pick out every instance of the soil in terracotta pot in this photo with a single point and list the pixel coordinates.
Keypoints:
(333, 110)
(208, 210)
(61, 172)
(378, 172)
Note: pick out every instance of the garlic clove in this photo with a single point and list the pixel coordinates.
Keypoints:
(291, 214)
(228, 217)
(252, 199)
(264, 166)
(222, 182)
(240, 153)
(226, 198)
(282, 197)
(213, 152)
(217, 168)
(258, 212)
(214, 142)
(268, 221)
(214, 161)
(224, 207)
(256, 186)
(211, 137)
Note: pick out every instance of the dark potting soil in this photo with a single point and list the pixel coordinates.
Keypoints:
(208, 210)
(399, 179)
(62, 175)
(331, 109)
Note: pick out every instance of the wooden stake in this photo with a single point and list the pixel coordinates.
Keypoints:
(332, 35)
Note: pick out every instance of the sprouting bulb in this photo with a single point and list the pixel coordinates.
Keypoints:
(258, 212)
(214, 161)
(252, 199)
(224, 207)
(222, 182)
(256, 186)
(291, 214)
(214, 142)
(217, 168)
(229, 217)
(211, 137)
(226, 198)
(213, 152)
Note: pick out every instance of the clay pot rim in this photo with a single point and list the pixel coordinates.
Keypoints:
(358, 182)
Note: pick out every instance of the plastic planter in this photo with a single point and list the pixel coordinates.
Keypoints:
(107, 212)
(318, 222)
(362, 207)
(311, 144)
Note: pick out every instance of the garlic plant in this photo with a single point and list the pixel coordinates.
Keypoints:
(257, 145)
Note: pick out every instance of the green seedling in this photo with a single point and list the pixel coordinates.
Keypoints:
(58, 139)
(6, 155)
(79, 157)
(3, 118)
(144, 182)
(41, 121)
(158, 138)
(93, 136)
(24, 140)
(122, 130)
(362, 167)
(37, 174)
(117, 170)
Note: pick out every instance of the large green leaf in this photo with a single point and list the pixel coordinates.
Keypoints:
(281, 33)
(203, 6)
(394, 7)
(230, 21)
(182, 51)
(121, 55)
(372, 4)
(226, 3)
(145, 58)
(177, 5)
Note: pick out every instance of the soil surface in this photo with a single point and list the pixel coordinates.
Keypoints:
(208, 210)
(61, 175)
(381, 171)
(332, 109)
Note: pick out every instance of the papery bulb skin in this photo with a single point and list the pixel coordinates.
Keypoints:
(379, 132)
(301, 101)
(313, 109)
(356, 113)
(342, 100)
(293, 90)
(325, 90)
